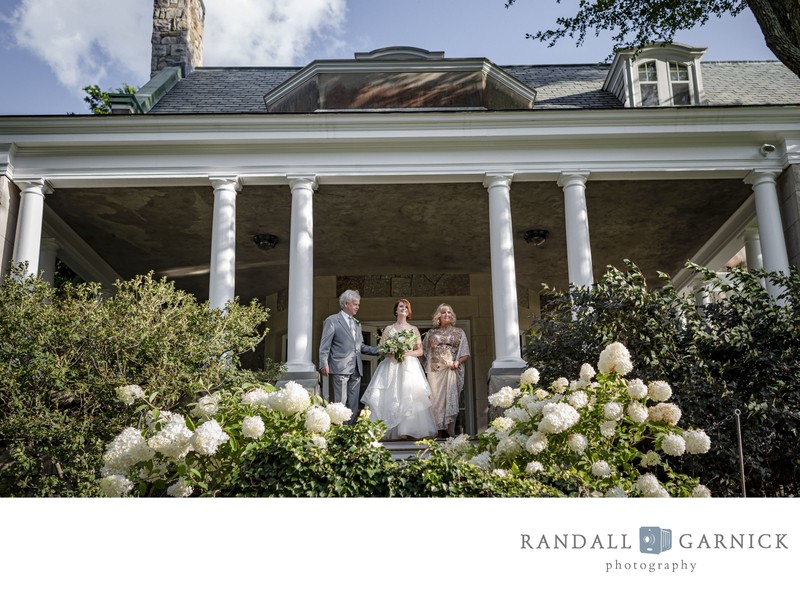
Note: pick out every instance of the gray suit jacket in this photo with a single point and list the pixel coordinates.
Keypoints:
(339, 351)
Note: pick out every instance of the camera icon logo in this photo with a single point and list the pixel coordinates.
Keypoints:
(654, 540)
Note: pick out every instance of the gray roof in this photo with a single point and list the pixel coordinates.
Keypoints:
(214, 90)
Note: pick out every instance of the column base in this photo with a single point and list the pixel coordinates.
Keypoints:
(499, 378)
(308, 379)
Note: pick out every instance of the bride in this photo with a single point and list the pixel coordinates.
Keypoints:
(398, 393)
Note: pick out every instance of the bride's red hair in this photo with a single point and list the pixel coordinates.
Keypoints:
(408, 307)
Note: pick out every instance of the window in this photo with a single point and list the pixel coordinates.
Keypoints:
(679, 79)
(648, 83)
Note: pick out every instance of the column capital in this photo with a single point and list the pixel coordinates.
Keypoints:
(572, 177)
(491, 179)
(231, 182)
(761, 175)
(33, 184)
(750, 233)
(302, 181)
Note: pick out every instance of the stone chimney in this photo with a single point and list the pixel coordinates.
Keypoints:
(177, 35)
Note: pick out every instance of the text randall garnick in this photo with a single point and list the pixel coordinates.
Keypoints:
(623, 542)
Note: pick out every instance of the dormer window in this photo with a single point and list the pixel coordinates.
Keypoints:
(679, 82)
(648, 83)
(660, 75)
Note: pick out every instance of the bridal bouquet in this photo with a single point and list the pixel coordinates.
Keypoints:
(397, 344)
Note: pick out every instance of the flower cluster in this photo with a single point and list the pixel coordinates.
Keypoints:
(397, 344)
(181, 454)
(598, 435)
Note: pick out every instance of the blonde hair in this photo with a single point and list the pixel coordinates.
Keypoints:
(437, 314)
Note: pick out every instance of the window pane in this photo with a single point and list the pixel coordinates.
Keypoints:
(680, 94)
(649, 94)
(647, 72)
(678, 72)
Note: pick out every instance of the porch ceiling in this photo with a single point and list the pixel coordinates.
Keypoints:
(397, 229)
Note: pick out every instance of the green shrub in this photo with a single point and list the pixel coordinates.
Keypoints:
(63, 353)
(739, 353)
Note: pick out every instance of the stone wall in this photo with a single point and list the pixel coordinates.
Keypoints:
(9, 207)
(177, 35)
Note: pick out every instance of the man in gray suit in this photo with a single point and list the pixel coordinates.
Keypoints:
(340, 351)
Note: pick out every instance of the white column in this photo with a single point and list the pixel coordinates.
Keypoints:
(752, 248)
(47, 259)
(504, 275)
(579, 249)
(222, 278)
(301, 275)
(29, 222)
(770, 226)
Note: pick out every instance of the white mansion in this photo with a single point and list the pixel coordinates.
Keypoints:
(405, 173)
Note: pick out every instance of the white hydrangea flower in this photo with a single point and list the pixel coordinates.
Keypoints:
(541, 394)
(558, 417)
(659, 390)
(596, 494)
(529, 377)
(560, 385)
(536, 443)
(577, 442)
(615, 358)
(317, 420)
(180, 488)
(500, 472)
(613, 410)
(517, 414)
(587, 372)
(126, 450)
(319, 442)
(507, 447)
(701, 492)
(292, 399)
(503, 398)
(650, 459)
(503, 424)
(534, 467)
(697, 441)
(648, 485)
(665, 412)
(338, 413)
(608, 428)
(208, 437)
(457, 445)
(253, 427)
(115, 485)
(482, 460)
(129, 394)
(578, 399)
(601, 469)
(174, 440)
(637, 412)
(257, 397)
(637, 389)
(673, 445)
(616, 492)
(207, 407)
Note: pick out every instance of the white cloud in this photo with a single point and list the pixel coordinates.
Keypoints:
(82, 40)
(88, 41)
(266, 32)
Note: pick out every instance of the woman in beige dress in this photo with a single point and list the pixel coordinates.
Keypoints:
(446, 349)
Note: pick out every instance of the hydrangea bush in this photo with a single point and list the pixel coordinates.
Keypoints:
(200, 453)
(601, 434)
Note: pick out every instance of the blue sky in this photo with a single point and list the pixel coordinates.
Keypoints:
(50, 49)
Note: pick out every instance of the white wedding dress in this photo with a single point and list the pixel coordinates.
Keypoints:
(398, 395)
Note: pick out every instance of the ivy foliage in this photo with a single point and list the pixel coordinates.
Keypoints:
(63, 353)
(736, 354)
